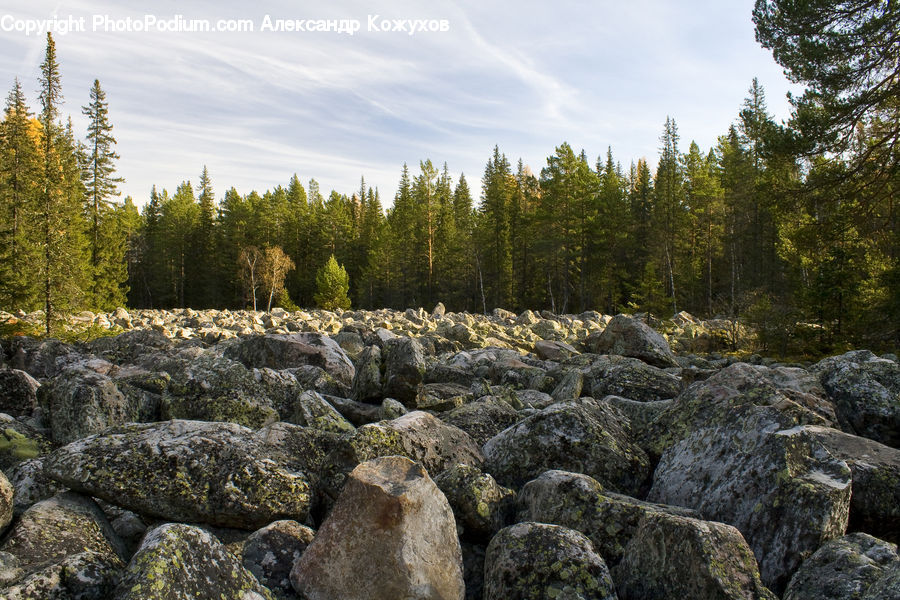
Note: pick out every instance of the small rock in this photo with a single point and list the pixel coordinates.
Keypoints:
(270, 554)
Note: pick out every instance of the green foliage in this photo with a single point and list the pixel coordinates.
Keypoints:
(332, 283)
(284, 301)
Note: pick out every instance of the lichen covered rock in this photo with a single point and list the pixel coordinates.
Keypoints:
(625, 336)
(181, 562)
(582, 436)
(87, 575)
(18, 392)
(842, 569)
(782, 489)
(482, 420)
(283, 351)
(20, 442)
(189, 471)
(678, 557)
(404, 369)
(480, 505)
(270, 554)
(312, 410)
(82, 402)
(537, 560)
(579, 502)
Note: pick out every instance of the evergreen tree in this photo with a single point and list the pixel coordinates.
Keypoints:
(205, 266)
(19, 168)
(669, 207)
(108, 270)
(494, 263)
(332, 284)
(58, 217)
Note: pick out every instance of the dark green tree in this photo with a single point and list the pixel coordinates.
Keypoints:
(332, 284)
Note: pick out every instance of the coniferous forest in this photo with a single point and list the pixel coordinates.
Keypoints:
(777, 224)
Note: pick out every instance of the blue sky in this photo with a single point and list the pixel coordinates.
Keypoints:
(256, 107)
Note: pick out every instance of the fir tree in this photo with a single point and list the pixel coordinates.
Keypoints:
(332, 284)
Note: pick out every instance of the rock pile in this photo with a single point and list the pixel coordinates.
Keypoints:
(384, 454)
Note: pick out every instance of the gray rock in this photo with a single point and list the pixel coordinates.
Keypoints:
(480, 505)
(579, 502)
(190, 471)
(404, 369)
(181, 562)
(283, 351)
(6, 502)
(31, 484)
(86, 575)
(18, 392)
(569, 388)
(630, 378)
(537, 560)
(781, 489)
(583, 436)
(129, 346)
(678, 557)
(62, 526)
(887, 587)
(10, 571)
(625, 336)
(367, 380)
(842, 569)
(431, 442)
(392, 409)
(554, 350)
(82, 402)
(312, 410)
(391, 534)
(865, 390)
(482, 420)
(270, 554)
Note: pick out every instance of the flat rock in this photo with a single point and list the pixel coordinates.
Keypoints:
(189, 471)
(391, 534)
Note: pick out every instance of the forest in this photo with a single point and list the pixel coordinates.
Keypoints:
(791, 227)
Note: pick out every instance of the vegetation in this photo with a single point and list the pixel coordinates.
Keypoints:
(792, 228)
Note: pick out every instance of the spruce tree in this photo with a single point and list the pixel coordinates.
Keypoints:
(19, 168)
(108, 269)
(206, 265)
(63, 250)
(332, 284)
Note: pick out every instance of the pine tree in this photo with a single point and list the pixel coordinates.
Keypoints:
(206, 269)
(62, 263)
(108, 270)
(494, 238)
(332, 284)
(19, 167)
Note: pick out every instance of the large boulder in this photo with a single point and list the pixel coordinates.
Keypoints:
(679, 557)
(781, 488)
(82, 402)
(842, 569)
(630, 378)
(31, 485)
(59, 527)
(188, 471)
(537, 560)
(865, 390)
(367, 380)
(6, 502)
(404, 369)
(482, 420)
(126, 347)
(181, 562)
(18, 392)
(887, 587)
(625, 336)
(391, 534)
(312, 410)
(582, 436)
(875, 469)
(283, 351)
(579, 502)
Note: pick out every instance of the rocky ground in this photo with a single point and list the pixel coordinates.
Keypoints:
(389, 455)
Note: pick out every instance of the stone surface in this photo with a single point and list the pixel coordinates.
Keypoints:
(82, 402)
(404, 369)
(842, 569)
(283, 351)
(270, 554)
(6, 502)
(625, 336)
(31, 484)
(537, 560)
(184, 471)
(579, 502)
(865, 390)
(781, 488)
(20, 442)
(630, 378)
(62, 526)
(482, 420)
(582, 436)
(391, 534)
(18, 392)
(481, 506)
(367, 380)
(312, 410)
(86, 575)
(678, 557)
(181, 562)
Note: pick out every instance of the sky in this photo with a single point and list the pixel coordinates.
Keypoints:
(258, 106)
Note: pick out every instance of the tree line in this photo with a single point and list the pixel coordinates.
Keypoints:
(778, 224)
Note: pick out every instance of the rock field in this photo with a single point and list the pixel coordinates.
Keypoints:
(386, 455)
